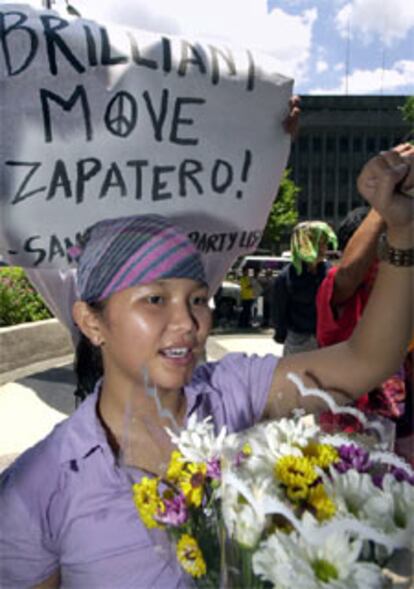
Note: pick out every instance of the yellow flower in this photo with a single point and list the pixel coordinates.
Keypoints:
(297, 493)
(322, 455)
(323, 505)
(176, 466)
(190, 556)
(295, 471)
(247, 449)
(147, 501)
(191, 482)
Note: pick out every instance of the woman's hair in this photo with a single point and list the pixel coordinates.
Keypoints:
(350, 224)
(88, 364)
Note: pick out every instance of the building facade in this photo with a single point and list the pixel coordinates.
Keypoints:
(338, 134)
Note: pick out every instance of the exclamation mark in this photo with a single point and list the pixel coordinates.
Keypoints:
(245, 170)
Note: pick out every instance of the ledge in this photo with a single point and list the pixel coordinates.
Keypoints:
(32, 343)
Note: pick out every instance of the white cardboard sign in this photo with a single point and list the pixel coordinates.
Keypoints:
(99, 121)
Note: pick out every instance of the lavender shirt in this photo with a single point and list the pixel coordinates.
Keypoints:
(65, 503)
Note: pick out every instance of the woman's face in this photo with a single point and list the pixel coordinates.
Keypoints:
(161, 326)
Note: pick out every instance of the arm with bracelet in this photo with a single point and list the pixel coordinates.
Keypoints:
(378, 344)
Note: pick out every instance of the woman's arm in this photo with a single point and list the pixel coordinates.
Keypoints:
(378, 344)
(357, 258)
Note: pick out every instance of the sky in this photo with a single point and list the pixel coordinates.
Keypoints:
(328, 46)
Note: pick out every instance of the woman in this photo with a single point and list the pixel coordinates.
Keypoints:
(66, 505)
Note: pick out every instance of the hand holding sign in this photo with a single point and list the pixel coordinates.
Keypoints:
(102, 121)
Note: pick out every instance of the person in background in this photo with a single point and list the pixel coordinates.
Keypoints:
(340, 302)
(257, 309)
(247, 297)
(295, 288)
(267, 292)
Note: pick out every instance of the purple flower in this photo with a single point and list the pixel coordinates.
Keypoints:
(175, 512)
(377, 479)
(214, 469)
(352, 457)
(402, 475)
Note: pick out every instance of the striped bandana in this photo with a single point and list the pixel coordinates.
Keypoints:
(127, 251)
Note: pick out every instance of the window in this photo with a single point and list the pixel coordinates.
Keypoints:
(371, 145)
(342, 209)
(343, 176)
(303, 144)
(357, 144)
(385, 143)
(343, 144)
(316, 180)
(316, 209)
(317, 144)
(303, 176)
(303, 208)
(330, 143)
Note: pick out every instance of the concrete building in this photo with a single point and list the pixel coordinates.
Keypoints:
(337, 136)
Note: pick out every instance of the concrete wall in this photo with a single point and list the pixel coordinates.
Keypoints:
(30, 343)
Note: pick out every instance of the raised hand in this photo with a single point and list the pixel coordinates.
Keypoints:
(385, 181)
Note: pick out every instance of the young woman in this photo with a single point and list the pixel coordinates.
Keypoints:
(67, 515)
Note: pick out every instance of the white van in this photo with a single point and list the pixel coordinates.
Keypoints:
(227, 299)
(262, 263)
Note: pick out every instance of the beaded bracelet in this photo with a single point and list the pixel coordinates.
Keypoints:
(394, 256)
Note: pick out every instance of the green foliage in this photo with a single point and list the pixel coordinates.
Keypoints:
(19, 302)
(408, 112)
(283, 215)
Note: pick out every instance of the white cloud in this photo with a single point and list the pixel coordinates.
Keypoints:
(287, 37)
(321, 66)
(390, 20)
(374, 81)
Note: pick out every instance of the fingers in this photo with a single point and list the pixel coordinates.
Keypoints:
(294, 101)
(397, 157)
(291, 123)
(381, 175)
(404, 149)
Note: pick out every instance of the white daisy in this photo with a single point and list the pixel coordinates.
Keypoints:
(350, 491)
(198, 442)
(243, 523)
(288, 561)
(393, 509)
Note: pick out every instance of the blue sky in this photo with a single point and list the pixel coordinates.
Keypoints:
(374, 38)
(310, 40)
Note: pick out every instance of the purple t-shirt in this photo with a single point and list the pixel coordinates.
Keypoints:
(66, 504)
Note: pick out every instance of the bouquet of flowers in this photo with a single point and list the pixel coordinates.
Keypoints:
(283, 505)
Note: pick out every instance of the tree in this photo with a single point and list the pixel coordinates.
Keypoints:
(283, 215)
(408, 113)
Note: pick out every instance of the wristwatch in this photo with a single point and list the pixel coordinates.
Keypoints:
(392, 255)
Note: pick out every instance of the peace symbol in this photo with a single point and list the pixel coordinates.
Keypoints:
(121, 114)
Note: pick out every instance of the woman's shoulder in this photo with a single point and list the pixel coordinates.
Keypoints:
(231, 366)
(234, 389)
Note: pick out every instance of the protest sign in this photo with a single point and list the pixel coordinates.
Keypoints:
(101, 121)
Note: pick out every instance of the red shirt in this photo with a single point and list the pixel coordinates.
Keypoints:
(333, 327)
